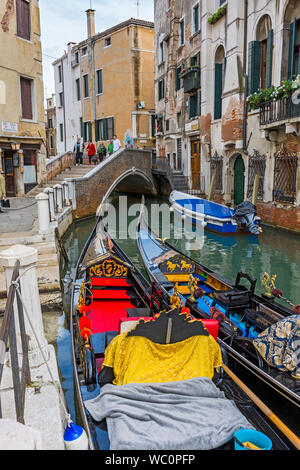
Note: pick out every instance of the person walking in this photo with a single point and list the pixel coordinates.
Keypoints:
(91, 151)
(116, 143)
(110, 148)
(102, 151)
(2, 188)
(79, 152)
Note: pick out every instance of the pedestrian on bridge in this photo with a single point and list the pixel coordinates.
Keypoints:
(102, 151)
(91, 152)
(2, 188)
(79, 152)
(110, 148)
(117, 143)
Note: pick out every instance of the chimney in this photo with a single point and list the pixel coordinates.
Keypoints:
(90, 22)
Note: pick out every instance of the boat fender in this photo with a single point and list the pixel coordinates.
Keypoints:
(75, 437)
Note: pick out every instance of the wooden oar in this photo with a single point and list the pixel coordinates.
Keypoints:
(269, 413)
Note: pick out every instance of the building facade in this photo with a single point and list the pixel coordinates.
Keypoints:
(104, 86)
(22, 119)
(51, 127)
(212, 56)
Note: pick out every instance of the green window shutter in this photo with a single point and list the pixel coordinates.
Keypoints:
(223, 71)
(192, 106)
(269, 58)
(97, 134)
(254, 61)
(85, 132)
(199, 58)
(81, 127)
(218, 91)
(292, 49)
(90, 130)
(177, 79)
(199, 104)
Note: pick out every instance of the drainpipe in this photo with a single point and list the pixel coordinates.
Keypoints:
(64, 102)
(245, 118)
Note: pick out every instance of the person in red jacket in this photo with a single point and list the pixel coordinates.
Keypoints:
(91, 151)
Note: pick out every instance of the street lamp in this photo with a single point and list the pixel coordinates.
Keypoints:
(15, 146)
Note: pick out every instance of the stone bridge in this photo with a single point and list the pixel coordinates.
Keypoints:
(127, 170)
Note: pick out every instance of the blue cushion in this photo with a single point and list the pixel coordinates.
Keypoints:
(98, 343)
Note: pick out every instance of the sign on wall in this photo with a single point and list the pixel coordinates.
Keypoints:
(9, 126)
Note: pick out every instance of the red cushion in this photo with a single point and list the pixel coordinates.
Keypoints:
(212, 326)
(110, 294)
(107, 282)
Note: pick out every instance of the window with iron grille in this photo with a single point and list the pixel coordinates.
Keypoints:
(256, 166)
(285, 174)
(216, 167)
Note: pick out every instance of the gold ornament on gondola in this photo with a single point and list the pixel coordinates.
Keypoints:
(268, 284)
(175, 298)
(193, 284)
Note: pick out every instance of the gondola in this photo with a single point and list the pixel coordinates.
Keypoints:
(113, 302)
(216, 217)
(242, 314)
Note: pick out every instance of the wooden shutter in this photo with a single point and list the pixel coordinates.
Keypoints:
(90, 130)
(23, 19)
(192, 106)
(97, 133)
(26, 98)
(218, 91)
(85, 132)
(99, 80)
(292, 49)
(269, 65)
(81, 128)
(178, 82)
(254, 59)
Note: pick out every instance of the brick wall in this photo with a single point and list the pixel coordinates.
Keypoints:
(91, 189)
(59, 164)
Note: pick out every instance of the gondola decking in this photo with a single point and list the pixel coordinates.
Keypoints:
(242, 313)
(110, 297)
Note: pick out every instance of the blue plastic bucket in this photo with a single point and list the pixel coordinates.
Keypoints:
(255, 437)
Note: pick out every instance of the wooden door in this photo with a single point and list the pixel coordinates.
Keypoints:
(9, 176)
(196, 164)
(239, 180)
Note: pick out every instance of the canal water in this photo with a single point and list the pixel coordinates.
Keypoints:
(274, 252)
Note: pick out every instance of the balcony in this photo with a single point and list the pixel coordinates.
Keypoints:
(276, 112)
(191, 79)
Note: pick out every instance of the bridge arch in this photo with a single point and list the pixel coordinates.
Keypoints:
(128, 170)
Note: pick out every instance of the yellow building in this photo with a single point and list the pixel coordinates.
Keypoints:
(105, 86)
(22, 120)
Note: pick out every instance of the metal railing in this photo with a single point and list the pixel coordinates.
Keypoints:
(280, 110)
(20, 372)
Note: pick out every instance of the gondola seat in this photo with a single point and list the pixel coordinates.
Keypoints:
(237, 298)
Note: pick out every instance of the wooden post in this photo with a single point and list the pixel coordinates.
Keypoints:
(255, 189)
(211, 189)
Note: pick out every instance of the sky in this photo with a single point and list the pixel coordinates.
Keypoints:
(64, 21)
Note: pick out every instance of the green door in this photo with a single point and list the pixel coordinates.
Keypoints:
(239, 180)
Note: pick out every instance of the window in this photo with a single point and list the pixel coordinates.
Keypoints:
(294, 49)
(167, 125)
(61, 130)
(196, 18)
(78, 94)
(84, 51)
(99, 82)
(107, 42)
(86, 85)
(195, 105)
(179, 120)
(23, 19)
(260, 57)
(77, 57)
(61, 99)
(161, 89)
(26, 97)
(59, 74)
(105, 129)
(161, 52)
(50, 124)
(182, 35)
(87, 131)
(51, 142)
(178, 78)
(220, 66)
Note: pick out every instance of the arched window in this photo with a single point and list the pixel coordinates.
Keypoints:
(260, 60)
(220, 65)
(291, 40)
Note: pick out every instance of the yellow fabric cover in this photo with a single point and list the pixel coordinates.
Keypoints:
(136, 359)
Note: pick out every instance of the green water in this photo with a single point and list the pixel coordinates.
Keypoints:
(274, 252)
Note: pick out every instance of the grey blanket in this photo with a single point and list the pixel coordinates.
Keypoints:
(187, 415)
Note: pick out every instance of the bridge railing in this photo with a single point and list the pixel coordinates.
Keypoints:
(58, 164)
(20, 372)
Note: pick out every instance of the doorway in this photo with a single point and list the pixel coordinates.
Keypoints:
(196, 164)
(239, 180)
(9, 174)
